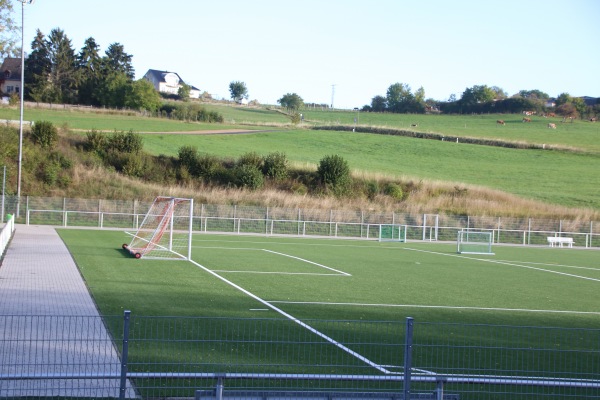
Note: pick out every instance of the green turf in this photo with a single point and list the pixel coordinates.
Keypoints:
(473, 314)
(391, 275)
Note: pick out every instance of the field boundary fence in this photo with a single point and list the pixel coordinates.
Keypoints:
(215, 358)
(121, 214)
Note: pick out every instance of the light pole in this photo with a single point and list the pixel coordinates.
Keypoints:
(22, 93)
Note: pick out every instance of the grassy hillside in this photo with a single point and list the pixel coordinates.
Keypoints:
(549, 183)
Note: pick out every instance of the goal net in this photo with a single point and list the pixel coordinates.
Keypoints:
(474, 242)
(166, 230)
(392, 233)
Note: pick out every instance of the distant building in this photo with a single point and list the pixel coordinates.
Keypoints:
(10, 77)
(590, 101)
(168, 82)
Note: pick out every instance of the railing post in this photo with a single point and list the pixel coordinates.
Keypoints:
(124, 354)
(408, 356)
(219, 389)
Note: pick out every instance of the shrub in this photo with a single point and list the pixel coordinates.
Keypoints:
(275, 166)
(251, 158)
(371, 189)
(394, 191)
(188, 157)
(134, 166)
(49, 173)
(45, 134)
(95, 141)
(248, 176)
(206, 166)
(334, 172)
(129, 142)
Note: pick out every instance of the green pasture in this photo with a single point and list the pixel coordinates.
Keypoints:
(579, 134)
(343, 279)
(556, 177)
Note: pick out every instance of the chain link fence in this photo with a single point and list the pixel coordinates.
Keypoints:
(216, 358)
(303, 222)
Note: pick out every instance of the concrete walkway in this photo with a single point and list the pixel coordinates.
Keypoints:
(49, 324)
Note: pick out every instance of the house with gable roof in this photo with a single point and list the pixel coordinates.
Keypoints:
(169, 82)
(10, 77)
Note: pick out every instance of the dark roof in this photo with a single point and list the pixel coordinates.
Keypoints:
(159, 76)
(590, 101)
(11, 69)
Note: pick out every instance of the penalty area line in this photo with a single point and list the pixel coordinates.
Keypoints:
(307, 261)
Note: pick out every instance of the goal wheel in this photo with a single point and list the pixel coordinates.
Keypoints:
(138, 255)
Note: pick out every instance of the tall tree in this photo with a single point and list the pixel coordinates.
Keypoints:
(238, 90)
(8, 31)
(119, 61)
(477, 94)
(89, 65)
(37, 70)
(63, 75)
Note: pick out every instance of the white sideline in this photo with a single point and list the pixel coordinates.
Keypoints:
(307, 261)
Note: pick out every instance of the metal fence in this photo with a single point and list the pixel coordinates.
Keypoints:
(215, 358)
(304, 222)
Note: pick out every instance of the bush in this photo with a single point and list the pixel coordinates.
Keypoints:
(394, 191)
(95, 141)
(248, 176)
(334, 172)
(371, 189)
(129, 142)
(49, 173)
(45, 134)
(251, 158)
(275, 166)
(188, 157)
(207, 166)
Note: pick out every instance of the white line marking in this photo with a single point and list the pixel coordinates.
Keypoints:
(259, 309)
(273, 272)
(434, 306)
(553, 265)
(504, 263)
(294, 319)
(307, 261)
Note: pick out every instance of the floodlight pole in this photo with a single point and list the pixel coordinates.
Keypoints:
(22, 93)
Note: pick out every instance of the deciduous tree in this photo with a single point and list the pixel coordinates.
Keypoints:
(291, 101)
(238, 90)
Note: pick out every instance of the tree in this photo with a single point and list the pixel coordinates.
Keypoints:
(478, 94)
(184, 91)
(563, 98)
(238, 90)
(8, 31)
(533, 94)
(37, 70)
(118, 61)
(291, 101)
(141, 95)
(379, 104)
(89, 65)
(63, 73)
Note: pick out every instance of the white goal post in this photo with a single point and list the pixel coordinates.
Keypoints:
(474, 242)
(166, 231)
(392, 233)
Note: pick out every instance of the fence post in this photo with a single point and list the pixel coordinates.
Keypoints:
(408, 356)
(124, 354)
(219, 389)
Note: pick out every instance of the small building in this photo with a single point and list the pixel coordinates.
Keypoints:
(10, 77)
(169, 82)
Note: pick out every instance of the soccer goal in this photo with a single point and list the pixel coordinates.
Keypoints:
(165, 232)
(474, 242)
(392, 233)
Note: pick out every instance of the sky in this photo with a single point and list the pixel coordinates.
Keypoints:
(342, 52)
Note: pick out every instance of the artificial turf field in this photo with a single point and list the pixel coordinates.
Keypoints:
(330, 279)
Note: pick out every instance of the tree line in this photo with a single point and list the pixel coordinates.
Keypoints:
(400, 98)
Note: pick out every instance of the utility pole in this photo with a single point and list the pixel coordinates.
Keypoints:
(332, 94)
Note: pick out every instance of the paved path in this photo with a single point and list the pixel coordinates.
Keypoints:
(49, 323)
